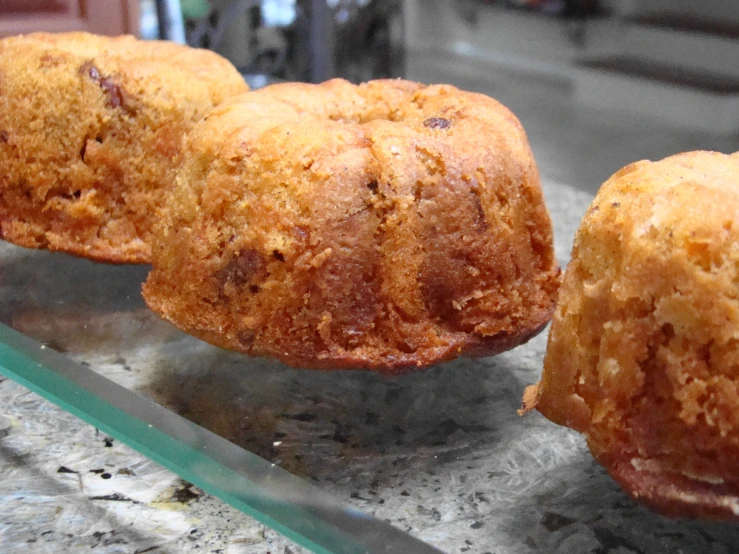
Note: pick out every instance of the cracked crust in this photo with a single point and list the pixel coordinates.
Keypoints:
(388, 226)
(643, 355)
(90, 131)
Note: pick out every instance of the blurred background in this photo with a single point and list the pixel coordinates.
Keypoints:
(596, 83)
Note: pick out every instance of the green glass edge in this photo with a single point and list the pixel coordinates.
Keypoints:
(20, 366)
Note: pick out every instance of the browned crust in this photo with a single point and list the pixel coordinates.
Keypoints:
(642, 356)
(676, 495)
(342, 226)
(397, 363)
(90, 133)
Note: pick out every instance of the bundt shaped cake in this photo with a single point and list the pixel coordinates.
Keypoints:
(90, 130)
(643, 354)
(387, 226)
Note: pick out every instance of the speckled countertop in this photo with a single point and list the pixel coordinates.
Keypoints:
(440, 454)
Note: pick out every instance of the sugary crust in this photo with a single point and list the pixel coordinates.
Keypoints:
(643, 355)
(388, 226)
(90, 130)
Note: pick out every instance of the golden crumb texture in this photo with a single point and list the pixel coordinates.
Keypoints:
(643, 354)
(91, 128)
(387, 226)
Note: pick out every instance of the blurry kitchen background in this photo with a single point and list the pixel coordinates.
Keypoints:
(596, 83)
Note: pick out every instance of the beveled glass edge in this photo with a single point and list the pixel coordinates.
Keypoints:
(302, 512)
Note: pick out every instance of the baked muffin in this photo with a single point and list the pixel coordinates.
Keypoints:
(385, 226)
(643, 354)
(90, 131)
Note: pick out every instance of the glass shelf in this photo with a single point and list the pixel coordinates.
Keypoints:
(344, 461)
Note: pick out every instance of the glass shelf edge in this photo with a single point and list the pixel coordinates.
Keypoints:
(27, 362)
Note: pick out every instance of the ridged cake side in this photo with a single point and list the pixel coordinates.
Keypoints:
(90, 133)
(385, 226)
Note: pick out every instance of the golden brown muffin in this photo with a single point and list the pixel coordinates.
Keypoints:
(90, 128)
(386, 226)
(643, 354)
